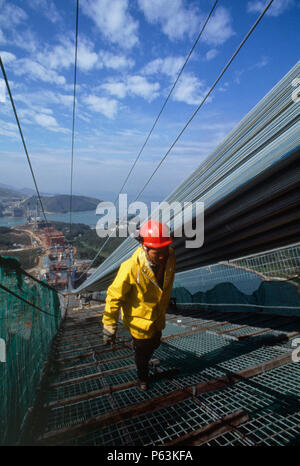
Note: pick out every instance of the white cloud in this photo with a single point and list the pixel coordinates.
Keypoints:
(44, 98)
(87, 58)
(211, 54)
(108, 107)
(47, 121)
(133, 85)
(2, 38)
(189, 90)
(26, 40)
(7, 57)
(169, 66)
(117, 89)
(11, 15)
(47, 8)
(39, 115)
(36, 71)
(8, 129)
(138, 85)
(62, 55)
(277, 7)
(219, 28)
(176, 20)
(114, 20)
(109, 60)
(260, 64)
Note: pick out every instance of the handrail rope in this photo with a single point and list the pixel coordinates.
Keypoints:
(23, 141)
(155, 122)
(74, 106)
(25, 300)
(238, 304)
(195, 112)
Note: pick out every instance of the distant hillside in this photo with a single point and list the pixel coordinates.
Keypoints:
(7, 193)
(12, 191)
(61, 203)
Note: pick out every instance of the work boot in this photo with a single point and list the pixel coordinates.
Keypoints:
(142, 385)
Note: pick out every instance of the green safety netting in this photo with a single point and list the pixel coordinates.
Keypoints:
(25, 338)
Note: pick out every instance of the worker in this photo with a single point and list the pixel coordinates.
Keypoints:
(141, 291)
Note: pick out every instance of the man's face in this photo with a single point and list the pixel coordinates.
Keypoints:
(158, 256)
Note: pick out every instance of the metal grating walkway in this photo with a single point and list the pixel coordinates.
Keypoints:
(224, 378)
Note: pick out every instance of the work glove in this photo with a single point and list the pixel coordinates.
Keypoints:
(109, 335)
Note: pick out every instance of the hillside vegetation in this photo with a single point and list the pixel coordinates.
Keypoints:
(9, 237)
(61, 203)
(6, 193)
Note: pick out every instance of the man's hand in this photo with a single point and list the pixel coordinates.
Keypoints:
(109, 335)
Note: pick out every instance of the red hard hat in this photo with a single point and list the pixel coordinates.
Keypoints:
(155, 234)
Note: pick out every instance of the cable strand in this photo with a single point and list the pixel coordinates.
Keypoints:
(23, 141)
(73, 121)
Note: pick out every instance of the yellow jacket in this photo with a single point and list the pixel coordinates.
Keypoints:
(136, 293)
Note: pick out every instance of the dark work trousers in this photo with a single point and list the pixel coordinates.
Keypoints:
(143, 350)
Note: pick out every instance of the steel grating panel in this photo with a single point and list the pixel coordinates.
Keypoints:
(122, 377)
(74, 374)
(199, 343)
(118, 364)
(248, 330)
(272, 401)
(155, 428)
(273, 429)
(133, 395)
(112, 435)
(79, 388)
(229, 439)
(241, 395)
(76, 362)
(78, 412)
(249, 358)
(203, 375)
(79, 346)
(283, 379)
(113, 354)
(172, 329)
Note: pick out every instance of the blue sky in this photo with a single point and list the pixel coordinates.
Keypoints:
(130, 52)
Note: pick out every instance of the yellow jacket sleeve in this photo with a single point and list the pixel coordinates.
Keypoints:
(116, 295)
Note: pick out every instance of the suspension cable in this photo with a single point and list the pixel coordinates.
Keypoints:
(155, 123)
(194, 114)
(23, 141)
(205, 98)
(169, 95)
(74, 106)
